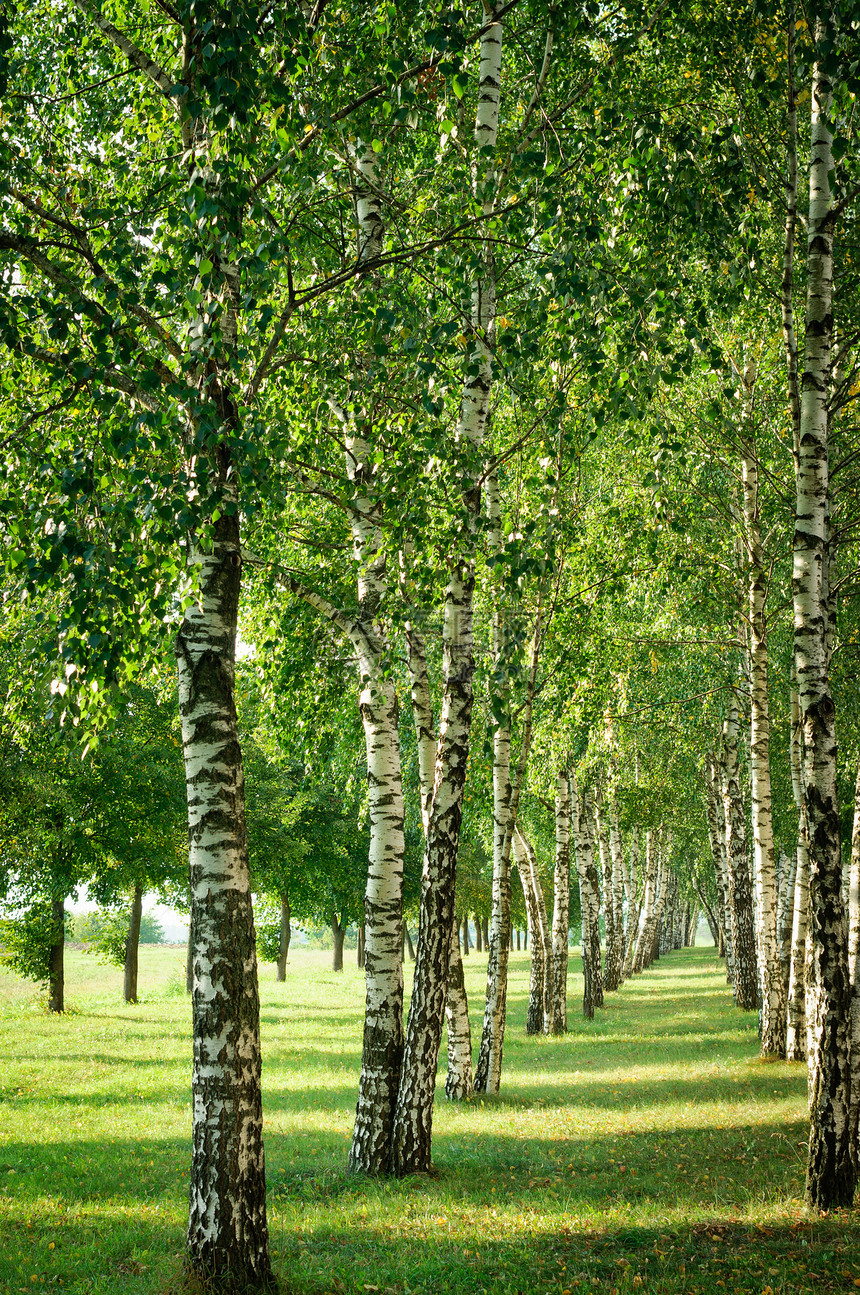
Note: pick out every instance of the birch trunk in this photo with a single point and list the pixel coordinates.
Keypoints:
(717, 840)
(459, 1081)
(132, 947)
(830, 1171)
(612, 966)
(412, 1135)
(740, 893)
(618, 889)
(784, 915)
(795, 1044)
(413, 1121)
(537, 969)
(854, 973)
(382, 1042)
(634, 903)
(772, 992)
(227, 1231)
(479, 943)
(649, 902)
(540, 987)
(796, 1049)
(561, 904)
(589, 890)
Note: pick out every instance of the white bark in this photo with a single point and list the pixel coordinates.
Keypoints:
(830, 1172)
(227, 1229)
(745, 983)
(771, 985)
(561, 904)
(590, 902)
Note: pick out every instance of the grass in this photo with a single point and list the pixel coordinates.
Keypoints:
(648, 1150)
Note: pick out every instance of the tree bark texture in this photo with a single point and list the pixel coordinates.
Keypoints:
(413, 1120)
(538, 970)
(338, 931)
(459, 1079)
(830, 1170)
(56, 960)
(227, 1230)
(649, 903)
(284, 936)
(717, 839)
(132, 946)
(614, 955)
(740, 891)
(772, 1023)
(589, 891)
(561, 905)
(620, 885)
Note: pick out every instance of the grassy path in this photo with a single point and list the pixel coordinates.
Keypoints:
(648, 1150)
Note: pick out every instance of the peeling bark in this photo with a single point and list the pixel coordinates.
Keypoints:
(561, 905)
(227, 1230)
(830, 1170)
(745, 983)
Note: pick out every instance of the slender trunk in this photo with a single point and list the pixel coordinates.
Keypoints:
(618, 890)
(479, 943)
(787, 878)
(338, 931)
(772, 1023)
(717, 839)
(649, 901)
(541, 961)
(466, 936)
(458, 1082)
(488, 1077)
(359, 946)
(796, 1045)
(561, 904)
(634, 902)
(830, 1172)
(382, 1042)
(410, 947)
(854, 973)
(740, 892)
(614, 954)
(413, 1121)
(485, 932)
(283, 940)
(534, 1011)
(132, 946)
(227, 1231)
(56, 955)
(590, 900)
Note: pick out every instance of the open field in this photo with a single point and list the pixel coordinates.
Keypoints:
(649, 1150)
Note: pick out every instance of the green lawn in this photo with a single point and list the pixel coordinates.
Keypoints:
(648, 1150)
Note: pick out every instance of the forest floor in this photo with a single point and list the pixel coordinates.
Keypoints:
(647, 1150)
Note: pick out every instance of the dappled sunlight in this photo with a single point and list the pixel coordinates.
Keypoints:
(637, 1144)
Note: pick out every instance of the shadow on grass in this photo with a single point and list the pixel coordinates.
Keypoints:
(705, 1257)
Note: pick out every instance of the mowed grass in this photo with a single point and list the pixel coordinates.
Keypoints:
(647, 1150)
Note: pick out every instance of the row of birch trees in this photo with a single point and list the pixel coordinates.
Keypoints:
(445, 338)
